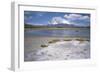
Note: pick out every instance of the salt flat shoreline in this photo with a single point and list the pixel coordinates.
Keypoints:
(31, 43)
(33, 46)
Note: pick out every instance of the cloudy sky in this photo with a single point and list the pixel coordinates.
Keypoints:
(45, 18)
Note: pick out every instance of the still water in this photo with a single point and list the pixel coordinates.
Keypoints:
(84, 32)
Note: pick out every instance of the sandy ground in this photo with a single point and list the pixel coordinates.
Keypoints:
(60, 50)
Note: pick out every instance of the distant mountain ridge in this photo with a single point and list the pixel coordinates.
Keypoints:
(56, 25)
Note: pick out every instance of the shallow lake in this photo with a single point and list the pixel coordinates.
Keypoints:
(81, 32)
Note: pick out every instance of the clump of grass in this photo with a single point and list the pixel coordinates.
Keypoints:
(44, 45)
(54, 41)
(67, 40)
(80, 39)
(81, 42)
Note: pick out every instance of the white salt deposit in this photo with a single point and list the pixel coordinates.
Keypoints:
(62, 50)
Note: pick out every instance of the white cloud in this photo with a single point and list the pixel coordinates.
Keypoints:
(72, 16)
(85, 17)
(78, 19)
(58, 20)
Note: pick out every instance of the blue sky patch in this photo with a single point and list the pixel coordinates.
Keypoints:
(45, 18)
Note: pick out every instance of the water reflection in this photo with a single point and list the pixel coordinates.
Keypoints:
(59, 33)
